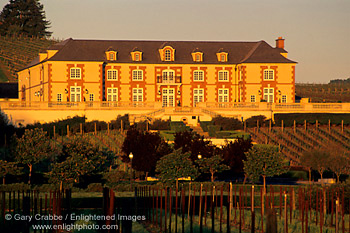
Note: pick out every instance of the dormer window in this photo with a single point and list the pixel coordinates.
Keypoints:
(167, 53)
(111, 55)
(136, 56)
(197, 56)
(222, 56)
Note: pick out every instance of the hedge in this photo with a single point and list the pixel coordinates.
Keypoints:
(179, 126)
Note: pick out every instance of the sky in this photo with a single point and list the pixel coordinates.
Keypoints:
(316, 32)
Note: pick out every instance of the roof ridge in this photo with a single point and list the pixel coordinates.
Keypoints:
(164, 41)
(250, 53)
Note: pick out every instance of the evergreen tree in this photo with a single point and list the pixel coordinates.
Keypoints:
(24, 17)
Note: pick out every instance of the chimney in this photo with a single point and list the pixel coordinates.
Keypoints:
(280, 43)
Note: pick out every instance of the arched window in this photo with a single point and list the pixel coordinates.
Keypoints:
(111, 56)
(223, 57)
(167, 55)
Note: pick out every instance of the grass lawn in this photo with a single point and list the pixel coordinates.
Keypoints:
(232, 134)
(168, 135)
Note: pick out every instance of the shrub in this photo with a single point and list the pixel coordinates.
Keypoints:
(205, 124)
(227, 123)
(15, 187)
(159, 124)
(116, 176)
(212, 130)
(178, 126)
(94, 187)
(115, 124)
(253, 121)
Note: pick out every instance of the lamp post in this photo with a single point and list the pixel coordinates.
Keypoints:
(199, 155)
(130, 157)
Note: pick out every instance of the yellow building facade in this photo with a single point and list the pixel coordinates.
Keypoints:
(172, 73)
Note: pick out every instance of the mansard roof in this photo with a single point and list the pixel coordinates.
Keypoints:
(238, 52)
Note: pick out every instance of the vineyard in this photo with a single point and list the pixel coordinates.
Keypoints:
(191, 207)
(293, 141)
(324, 92)
(17, 52)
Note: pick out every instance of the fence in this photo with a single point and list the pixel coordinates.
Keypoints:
(228, 208)
(187, 208)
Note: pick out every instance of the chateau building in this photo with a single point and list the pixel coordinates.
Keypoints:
(172, 73)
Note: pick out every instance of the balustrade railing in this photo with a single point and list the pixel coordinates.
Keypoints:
(169, 79)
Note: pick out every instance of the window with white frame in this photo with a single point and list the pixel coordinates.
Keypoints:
(112, 74)
(137, 57)
(269, 95)
(59, 97)
(198, 75)
(168, 97)
(198, 57)
(284, 98)
(75, 94)
(253, 98)
(137, 94)
(112, 94)
(223, 95)
(223, 57)
(137, 75)
(269, 74)
(198, 95)
(167, 55)
(91, 97)
(168, 76)
(223, 75)
(111, 56)
(75, 73)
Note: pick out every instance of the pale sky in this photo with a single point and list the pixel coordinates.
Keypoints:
(316, 32)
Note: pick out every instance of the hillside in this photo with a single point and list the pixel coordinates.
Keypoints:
(333, 92)
(17, 52)
(294, 141)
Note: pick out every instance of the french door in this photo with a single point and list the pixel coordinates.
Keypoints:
(168, 97)
(75, 94)
(268, 95)
(198, 96)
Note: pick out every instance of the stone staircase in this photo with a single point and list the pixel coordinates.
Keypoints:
(199, 130)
